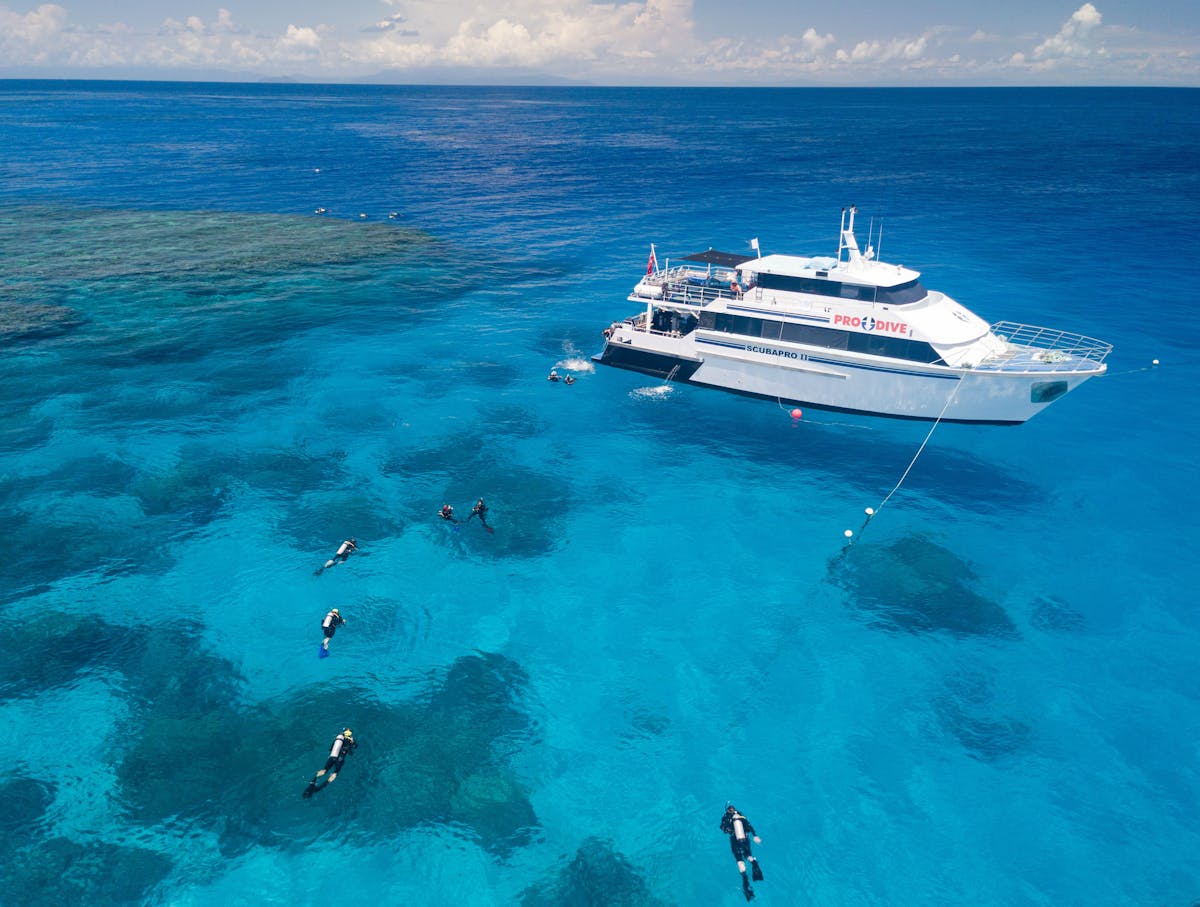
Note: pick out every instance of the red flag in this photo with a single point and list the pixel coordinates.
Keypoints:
(652, 264)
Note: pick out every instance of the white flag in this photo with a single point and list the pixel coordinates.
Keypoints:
(754, 244)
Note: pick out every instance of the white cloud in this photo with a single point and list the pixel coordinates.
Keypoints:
(34, 28)
(815, 43)
(1072, 39)
(301, 38)
(619, 41)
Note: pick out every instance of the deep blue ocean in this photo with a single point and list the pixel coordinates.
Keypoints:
(991, 698)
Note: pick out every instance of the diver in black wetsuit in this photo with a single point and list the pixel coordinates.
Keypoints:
(740, 831)
(329, 626)
(447, 513)
(343, 745)
(344, 551)
(479, 510)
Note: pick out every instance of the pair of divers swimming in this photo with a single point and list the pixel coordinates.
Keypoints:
(479, 510)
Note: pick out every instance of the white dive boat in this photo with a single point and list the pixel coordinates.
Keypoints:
(844, 333)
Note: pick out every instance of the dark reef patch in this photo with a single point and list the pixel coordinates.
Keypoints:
(320, 523)
(597, 876)
(916, 585)
(56, 648)
(967, 709)
(528, 508)
(440, 759)
(162, 665)
(65, 873)
(100, 474)
(21, 430)
(35, 321)
(25, 802)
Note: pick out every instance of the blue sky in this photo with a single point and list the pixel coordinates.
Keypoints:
(640, 42)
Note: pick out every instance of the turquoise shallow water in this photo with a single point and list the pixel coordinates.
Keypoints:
(991, 698)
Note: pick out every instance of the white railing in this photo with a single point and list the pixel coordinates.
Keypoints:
(1052, 345)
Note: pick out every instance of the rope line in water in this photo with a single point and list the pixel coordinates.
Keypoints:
(1133, 371)
(779, 403)
(871, 513)
(936, 422)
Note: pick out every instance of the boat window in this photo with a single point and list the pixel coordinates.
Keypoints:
(708, 321)
(854, 291)
(902, 294)
(905, 293)
(799, 284)
(814, 336)
(894, 348)
(743, 324)
(1047, 391)
(770, 330)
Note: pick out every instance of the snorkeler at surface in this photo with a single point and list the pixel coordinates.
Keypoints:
(343, 745)
(740, 831)
(479, 510)
(344, 551)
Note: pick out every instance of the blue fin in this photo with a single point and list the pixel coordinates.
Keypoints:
(322, 652)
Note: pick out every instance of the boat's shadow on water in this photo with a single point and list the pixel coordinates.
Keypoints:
(864, 453)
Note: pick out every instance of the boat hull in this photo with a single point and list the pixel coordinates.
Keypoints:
(823, 379)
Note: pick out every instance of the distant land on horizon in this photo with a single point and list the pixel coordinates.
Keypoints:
(433, 78)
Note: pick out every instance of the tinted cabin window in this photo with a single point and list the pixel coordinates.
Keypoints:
(898, 295)
(826, 337)
(853, 291)
(745, 325)
(893, 348)
(905, 293)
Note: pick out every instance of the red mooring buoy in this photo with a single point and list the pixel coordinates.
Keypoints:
(797, 413)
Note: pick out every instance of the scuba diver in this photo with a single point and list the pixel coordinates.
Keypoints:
(344, 551)
(343, 745)
(447, 513)
(480, 510)
(329, 626)
(570, 379)
(553, 376)
(740, 831)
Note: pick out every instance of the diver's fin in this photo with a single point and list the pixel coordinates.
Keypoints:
(322, 652)
(756, 870)
(746, 889)
(310, 790)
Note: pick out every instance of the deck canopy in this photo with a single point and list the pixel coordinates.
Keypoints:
(720, 259)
